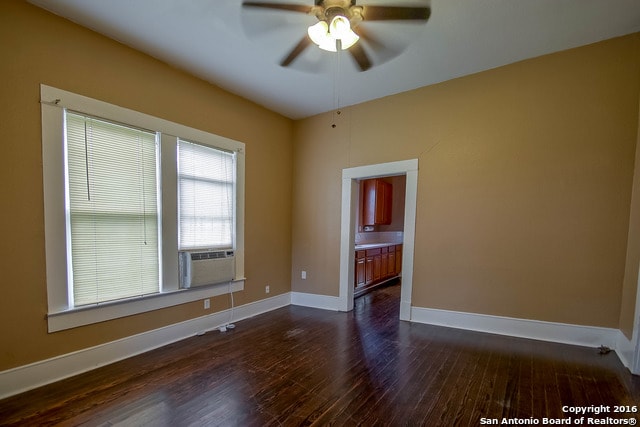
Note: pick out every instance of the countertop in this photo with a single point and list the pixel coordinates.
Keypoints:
(374, 245)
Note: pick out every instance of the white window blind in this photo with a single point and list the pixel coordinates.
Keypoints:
(112, 210)
(206, 187)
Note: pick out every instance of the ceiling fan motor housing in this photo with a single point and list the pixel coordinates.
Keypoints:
(329, 9)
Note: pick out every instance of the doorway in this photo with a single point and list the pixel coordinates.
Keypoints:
(379, 229)
(350, 178)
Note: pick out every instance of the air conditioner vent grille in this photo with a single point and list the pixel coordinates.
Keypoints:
(199, 256)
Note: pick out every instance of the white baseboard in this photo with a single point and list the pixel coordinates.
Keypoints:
(316, 301)
(23, 378)
(405, 310)
(624, 350)
(27, 377)
(589, 336)
(259, 307)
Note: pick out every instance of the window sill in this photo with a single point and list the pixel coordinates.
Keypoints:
(88, 315)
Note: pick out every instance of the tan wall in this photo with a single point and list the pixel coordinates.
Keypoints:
(39, 47)
(524, 184)
(630, 284)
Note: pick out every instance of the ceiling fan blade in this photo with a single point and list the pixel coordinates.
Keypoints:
(279, 6)
(360, 56)
(366, 35)
(395, 13)
(297, 50)
(381, 51)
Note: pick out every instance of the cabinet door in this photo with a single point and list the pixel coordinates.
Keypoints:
(377, 264)
(360, 272)
(384, 265)
(392, 264)
(384, 202)
(376, 202)
(368, 202)
(398, 259)
(368, 270)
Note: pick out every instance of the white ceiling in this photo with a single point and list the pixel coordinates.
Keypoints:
(239, 49)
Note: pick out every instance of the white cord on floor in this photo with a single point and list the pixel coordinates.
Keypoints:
(229, 325)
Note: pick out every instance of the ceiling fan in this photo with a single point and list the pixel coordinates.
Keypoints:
(338, 26)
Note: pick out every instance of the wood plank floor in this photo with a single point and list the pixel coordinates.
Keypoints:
(301, 366)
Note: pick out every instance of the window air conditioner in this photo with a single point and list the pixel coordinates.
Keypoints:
(206, 268)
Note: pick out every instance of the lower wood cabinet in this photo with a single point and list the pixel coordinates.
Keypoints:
(376, 265)
(360, 268)
(384, 262)
(391, 262)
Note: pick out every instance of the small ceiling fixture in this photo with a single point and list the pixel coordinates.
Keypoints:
(334, 27)
(338, 25)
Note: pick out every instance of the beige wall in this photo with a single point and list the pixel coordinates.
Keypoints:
(524, 189)
(630, 283)
(39, 47)
(524, 184)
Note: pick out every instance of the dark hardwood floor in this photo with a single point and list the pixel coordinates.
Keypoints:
(301, 366)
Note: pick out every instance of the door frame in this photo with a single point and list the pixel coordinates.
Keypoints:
(634, 363)
(409, 168)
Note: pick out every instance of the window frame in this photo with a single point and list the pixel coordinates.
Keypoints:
(61, 314)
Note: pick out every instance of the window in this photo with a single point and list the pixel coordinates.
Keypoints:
(206, 197)
(112, 210)
(123, 193)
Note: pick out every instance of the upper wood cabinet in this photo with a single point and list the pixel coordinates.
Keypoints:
(376, 202)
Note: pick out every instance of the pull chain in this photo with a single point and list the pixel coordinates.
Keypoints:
(336, 89)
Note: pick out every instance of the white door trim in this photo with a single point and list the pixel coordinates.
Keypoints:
(347, 228)
(634, 363)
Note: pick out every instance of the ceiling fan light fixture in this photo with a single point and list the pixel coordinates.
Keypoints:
(326, 35)
(319, 34)
(340, 29)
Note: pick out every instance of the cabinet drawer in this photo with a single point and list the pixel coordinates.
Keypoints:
(373, 252)
(360, 254)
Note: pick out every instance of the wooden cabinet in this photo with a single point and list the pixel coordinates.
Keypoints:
(376, 265)
(368, 276)
(376, 268)
(376, 202)
(373, 264)
(391, 261)
(384, 263)
(360, 268)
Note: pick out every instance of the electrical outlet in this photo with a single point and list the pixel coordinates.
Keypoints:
(207, 304)
(267, 289)
(304, 274)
